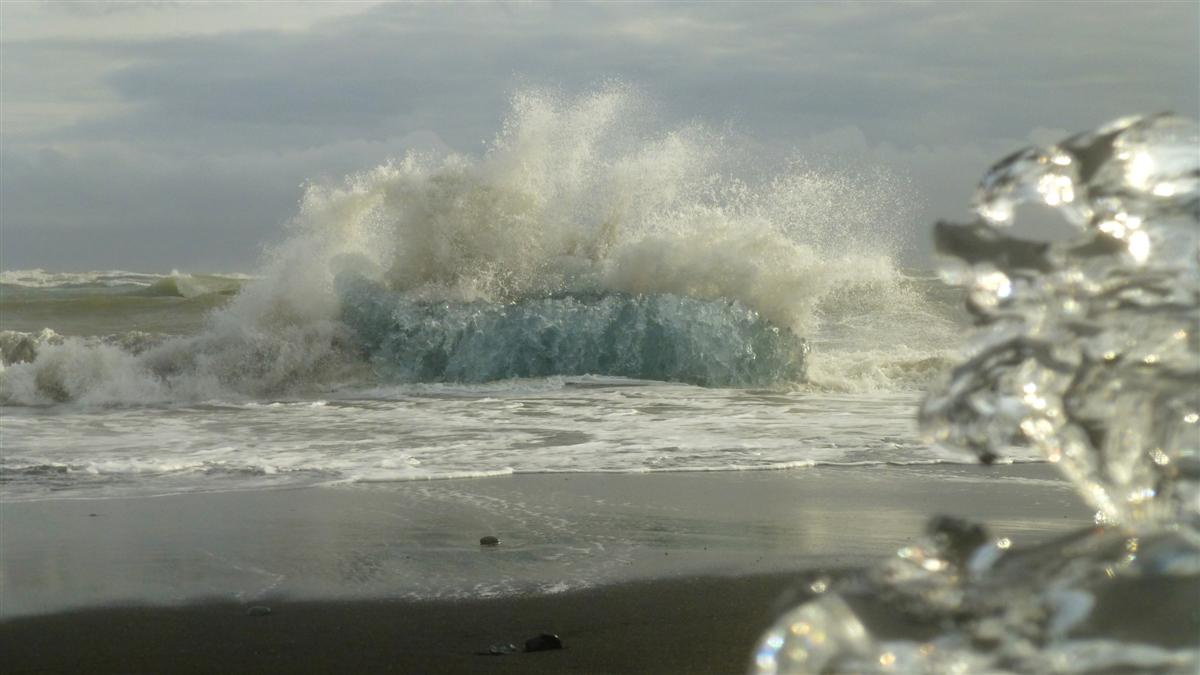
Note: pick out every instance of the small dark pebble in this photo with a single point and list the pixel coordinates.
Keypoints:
(258, 610)
(958, 536)
(93, 515)
(489, 541)
(542, 643)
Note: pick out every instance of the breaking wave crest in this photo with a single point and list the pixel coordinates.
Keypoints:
(654, 337)
(584, 240)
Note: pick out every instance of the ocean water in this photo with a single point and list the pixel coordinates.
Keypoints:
(594, 293)
(86, 415)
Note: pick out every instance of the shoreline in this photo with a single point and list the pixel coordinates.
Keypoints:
(668, 572)
(953, 470)
(558, 532)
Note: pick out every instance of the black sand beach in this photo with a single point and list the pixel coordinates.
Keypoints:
(667, 626)
(363, 579)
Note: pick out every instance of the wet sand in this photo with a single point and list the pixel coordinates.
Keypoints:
(636, 573)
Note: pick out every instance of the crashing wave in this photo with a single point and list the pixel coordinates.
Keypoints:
(656, 337)
(23, 347)
(578, 209)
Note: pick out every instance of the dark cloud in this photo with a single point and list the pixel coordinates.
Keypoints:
(214, 133)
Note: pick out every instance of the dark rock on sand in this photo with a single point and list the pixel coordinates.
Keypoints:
(542, 643)
(958, 537)
(489, 540)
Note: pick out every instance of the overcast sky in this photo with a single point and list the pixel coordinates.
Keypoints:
(163, 135)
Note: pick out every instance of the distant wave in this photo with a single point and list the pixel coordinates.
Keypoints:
(40, 278)
(176, 283)
(192, 286)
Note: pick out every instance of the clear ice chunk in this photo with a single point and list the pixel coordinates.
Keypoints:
(1090, 349)
(1087, 349)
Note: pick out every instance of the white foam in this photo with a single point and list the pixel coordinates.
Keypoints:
(424, 433)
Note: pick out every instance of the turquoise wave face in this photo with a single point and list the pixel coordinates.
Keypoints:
(716, 343)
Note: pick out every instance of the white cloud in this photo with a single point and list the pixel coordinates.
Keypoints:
(148, 121)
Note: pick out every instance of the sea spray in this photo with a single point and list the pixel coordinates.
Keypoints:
(577, 200)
